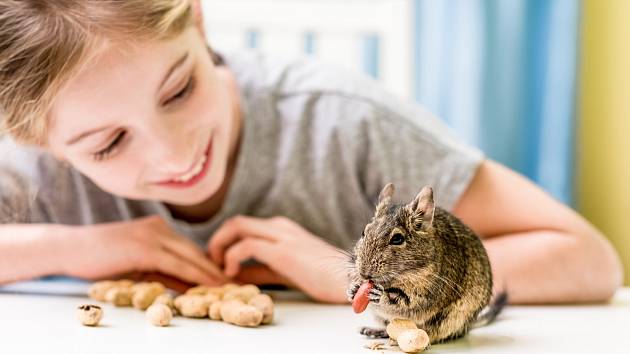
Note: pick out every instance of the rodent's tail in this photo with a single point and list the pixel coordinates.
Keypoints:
(490, 312)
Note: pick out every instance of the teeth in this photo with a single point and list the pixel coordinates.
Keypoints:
(195, 171)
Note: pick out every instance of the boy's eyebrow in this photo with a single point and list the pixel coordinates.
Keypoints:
(170, 71)
(177, 64)
(84, 134)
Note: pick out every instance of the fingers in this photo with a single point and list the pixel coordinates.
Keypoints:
(239, 228)
(169, 281)
(172, 265)
(261, 275)
(261, 250)
(170, 253)
(188, 250)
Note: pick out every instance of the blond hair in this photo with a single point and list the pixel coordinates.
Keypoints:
(44, 43)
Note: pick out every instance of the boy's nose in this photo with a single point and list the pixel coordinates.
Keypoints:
(173, 165)
(170, 155)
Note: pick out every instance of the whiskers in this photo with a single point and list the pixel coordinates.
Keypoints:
(348, 255)
(339, 265)
(426, 281)
(449, 283)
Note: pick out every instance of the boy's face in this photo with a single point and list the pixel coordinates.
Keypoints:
(150, 121)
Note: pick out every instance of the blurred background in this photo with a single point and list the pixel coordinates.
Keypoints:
(538, 85)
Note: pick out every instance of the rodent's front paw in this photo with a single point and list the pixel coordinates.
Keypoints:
(352, 290)
(376, 293)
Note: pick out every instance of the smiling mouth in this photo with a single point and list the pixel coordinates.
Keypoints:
(195, 174)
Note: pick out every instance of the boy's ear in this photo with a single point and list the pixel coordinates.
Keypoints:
(198, 16)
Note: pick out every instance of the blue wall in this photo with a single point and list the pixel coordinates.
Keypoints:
(502, 73)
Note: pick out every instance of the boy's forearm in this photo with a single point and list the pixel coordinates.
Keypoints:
(31, 250)
(554, 267)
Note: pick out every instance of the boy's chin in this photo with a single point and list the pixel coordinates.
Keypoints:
(188, 201)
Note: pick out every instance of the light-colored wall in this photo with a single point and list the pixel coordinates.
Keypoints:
(373, 36)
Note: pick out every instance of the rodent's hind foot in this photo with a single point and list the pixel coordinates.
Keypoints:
(374, 332)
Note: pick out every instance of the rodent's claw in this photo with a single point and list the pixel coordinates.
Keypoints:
(376, 293)
(352, 290)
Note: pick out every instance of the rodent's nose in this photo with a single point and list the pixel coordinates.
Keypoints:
(366, 276)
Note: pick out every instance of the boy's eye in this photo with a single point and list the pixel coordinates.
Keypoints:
(102, 154)
(397, 239)
(182, 93)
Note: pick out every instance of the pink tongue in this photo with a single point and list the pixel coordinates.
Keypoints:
(361, 300)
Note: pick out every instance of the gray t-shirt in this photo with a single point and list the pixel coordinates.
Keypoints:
(318, 146)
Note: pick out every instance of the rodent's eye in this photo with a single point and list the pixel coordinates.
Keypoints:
(397, 239)
(363, 233)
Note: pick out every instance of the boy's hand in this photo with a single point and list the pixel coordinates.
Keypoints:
(291, 254)
(145, 245)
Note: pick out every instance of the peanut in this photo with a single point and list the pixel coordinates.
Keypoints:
(239, 305)
(89, 315)
(229, 286)
(264, 303)
(237, 313)
(216, 290)
(140, 285)
(215, 310)
(243, 293)
(98, 290)
(210, 290)
(143, 285)
(144, 295)
(397, 325)
(197, 290)
(119, 296)
(159, 315)
(124, 283)
(192, 305)
(210, 297)
(166, 299)
(413, 340)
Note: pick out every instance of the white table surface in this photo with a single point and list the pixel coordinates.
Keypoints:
(47, 324)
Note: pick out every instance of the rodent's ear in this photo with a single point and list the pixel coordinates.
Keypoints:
(386, 193)
(423, 205)
(384, 198)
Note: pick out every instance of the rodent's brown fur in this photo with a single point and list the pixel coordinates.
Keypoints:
(439, 277)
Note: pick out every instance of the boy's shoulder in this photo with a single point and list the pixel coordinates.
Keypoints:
(20, 159)
(308, 88)
(289, 77)
(35, 167)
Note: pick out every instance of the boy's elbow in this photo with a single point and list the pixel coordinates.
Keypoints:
(606, 269)
(614, 277)
(612, 281)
